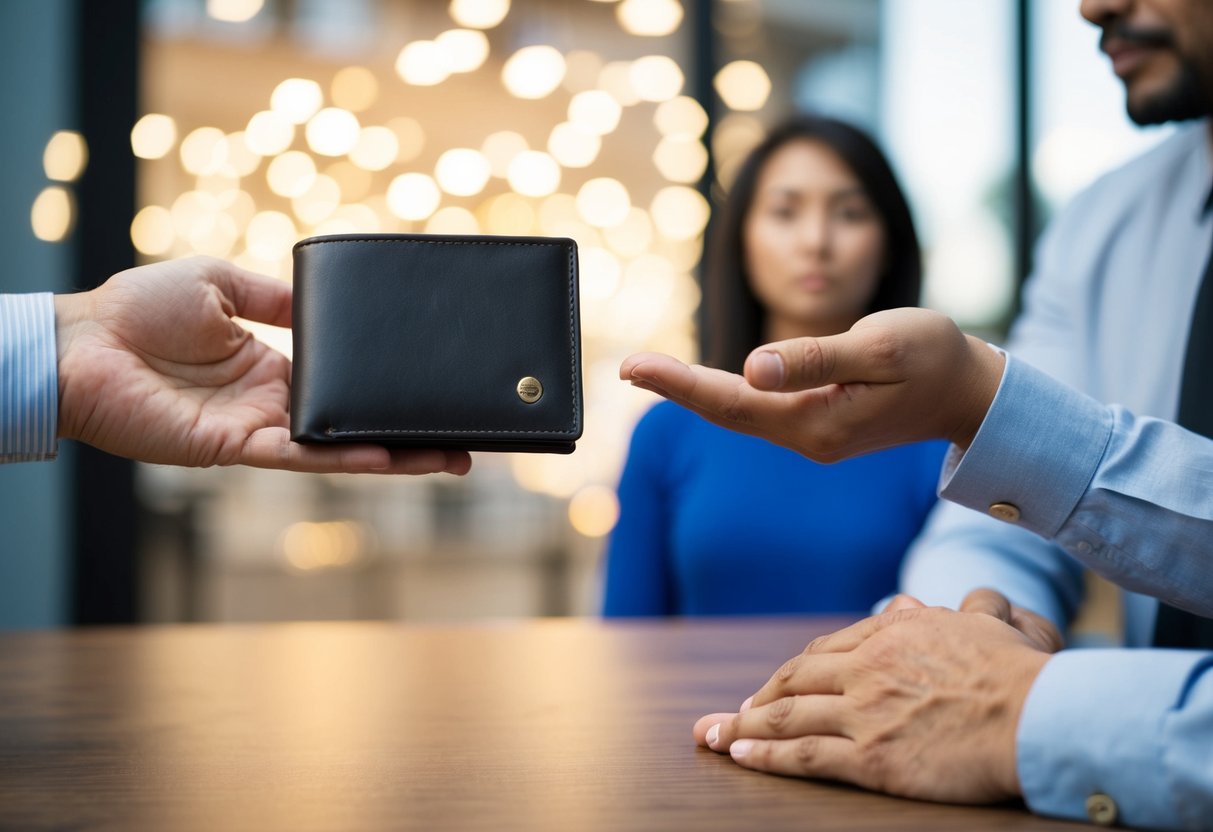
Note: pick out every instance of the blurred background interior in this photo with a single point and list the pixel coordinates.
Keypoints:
(138, 131)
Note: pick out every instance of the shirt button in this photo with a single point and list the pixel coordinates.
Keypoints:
(1005, 511)
(1101, 809)
(1082, 546)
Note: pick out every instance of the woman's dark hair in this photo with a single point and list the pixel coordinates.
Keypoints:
(734, 317)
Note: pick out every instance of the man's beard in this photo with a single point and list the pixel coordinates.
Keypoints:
(1184, 100)
(1188, 98)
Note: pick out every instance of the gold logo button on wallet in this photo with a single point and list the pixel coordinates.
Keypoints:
(530, 390)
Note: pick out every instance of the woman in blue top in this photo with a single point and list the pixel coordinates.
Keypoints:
(815, 234)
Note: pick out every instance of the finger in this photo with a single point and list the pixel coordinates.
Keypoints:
(673, 377)
(254, 296)
(700, 729)
(792, 716)
(848, 638)
(644, 385)
(803, 674)
(457, 462)
(989, 602)
(820, 668)
(723, 398)
(1038, 629)
(862, 355)
(656, 359)
(901, 601)
(272, 448)
(826, 757)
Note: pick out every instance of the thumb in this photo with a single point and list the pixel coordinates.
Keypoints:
(254, 296)
(862, 355)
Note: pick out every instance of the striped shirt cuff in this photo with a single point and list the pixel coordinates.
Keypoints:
(29, 378)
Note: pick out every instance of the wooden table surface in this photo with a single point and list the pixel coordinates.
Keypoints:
(555, 724)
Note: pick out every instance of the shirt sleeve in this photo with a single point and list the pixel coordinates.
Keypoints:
(638, 575)
(961, 550)
(29, 382)
(1129, 497)
(1133, 725)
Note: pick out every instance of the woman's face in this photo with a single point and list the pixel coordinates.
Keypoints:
(814, 243)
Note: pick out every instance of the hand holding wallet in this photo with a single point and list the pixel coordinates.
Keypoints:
(416, 340)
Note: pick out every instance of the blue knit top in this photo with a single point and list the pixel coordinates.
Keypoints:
(714, 522)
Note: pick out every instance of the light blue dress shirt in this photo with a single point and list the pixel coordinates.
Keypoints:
(1133, 497)
(29, 382)
(1110, 487)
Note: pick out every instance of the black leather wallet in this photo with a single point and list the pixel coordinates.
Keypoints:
(421, 340)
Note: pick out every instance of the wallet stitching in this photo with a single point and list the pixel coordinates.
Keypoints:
(573, 363)
(572, 337)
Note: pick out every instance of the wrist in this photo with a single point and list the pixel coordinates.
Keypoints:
(72, 315)
(978, 388)
(71, 310)
(1021, 680)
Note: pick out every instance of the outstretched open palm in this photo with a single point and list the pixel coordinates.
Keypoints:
(153, 367)
(897, 376)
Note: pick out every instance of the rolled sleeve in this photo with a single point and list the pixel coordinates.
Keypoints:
(29, 383)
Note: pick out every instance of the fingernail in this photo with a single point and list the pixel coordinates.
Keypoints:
(740, 748)
(768, 370)
(713, 735)
(746, 705)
